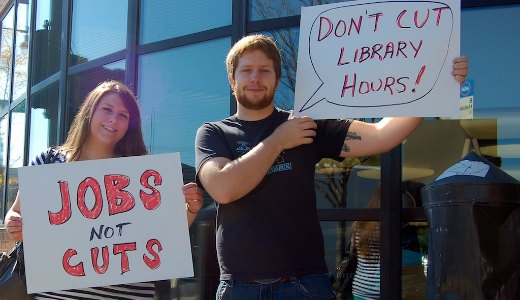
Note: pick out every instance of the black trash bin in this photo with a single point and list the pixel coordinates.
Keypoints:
(473, 212)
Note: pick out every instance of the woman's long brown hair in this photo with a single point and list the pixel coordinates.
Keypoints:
(368, 231)
(131, 144)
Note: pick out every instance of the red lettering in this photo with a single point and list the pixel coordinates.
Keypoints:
(400, 17)
(388, 84)
(401, 84)
(356, 26)
(416, 17)
(416, 49)
(119, 200)
(375, 51)
(377, 15)
(326, 27)
(64, 214)
(364, 88)
(420, 23)
(439, 12)
(76, 270)
(352, 87)
(378, 88)
(329, 30)
(153, 200)
(121, 249)
(365, 54)
(94, 254)
(389, 50)
(400, 47)
(340, 61)
(343, 25)
(91, 183)
(155, 262)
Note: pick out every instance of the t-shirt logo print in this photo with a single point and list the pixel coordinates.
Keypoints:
(242, 148)
(280, 165)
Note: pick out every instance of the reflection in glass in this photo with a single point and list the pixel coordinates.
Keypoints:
(99, 28)
(336, 236)
(21, 53)
(366, 244)
(287, 41)
(46, 40)
(433, 147)
(164, 19)
(6, 47)
(4, 127)
(497, 99)
(180, 89)
(478, 40)
(414, 237)
(44, 117)
(79, 85)
(271, 9)
(342, 184)
(334, 179)
(16, 150)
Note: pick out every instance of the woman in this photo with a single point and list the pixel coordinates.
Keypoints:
(107, 125)
(365, 242)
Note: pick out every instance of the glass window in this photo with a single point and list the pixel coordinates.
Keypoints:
(179, 90)
(335, 181)
(495, 97)
(21, 53)
(79, 85)
(163, 19)
(44, 119)
(336, 237)
(349, 183)
(4, 129)
(287, 40)
(478, 40)
(16, 150)
(269, 9)
(433, 147)
(414, 251)
(46, 40)
(494, 130)
(365, 236)
(99, 28)
(6, 62)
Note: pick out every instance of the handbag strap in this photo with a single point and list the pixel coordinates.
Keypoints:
(18, 250)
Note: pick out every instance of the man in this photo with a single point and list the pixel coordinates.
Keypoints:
(258, 165)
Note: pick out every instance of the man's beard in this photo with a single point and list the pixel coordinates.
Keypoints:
(266, 101)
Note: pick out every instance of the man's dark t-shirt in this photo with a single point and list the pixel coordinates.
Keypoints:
(274, 230)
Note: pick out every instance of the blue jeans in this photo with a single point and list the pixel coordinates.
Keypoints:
(307, 287)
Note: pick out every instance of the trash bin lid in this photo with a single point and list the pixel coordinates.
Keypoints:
(472, 179)
(473, 169)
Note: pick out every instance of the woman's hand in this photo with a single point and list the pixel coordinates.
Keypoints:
(13, 226)
(194, 200)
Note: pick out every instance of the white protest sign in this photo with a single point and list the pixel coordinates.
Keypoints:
(378, 59)
(104, 222)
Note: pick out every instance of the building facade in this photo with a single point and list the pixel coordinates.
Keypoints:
(171, 53)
